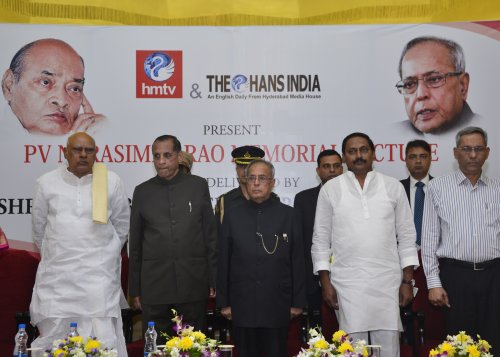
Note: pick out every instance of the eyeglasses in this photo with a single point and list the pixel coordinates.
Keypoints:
(476, 149)
(431, 80)
(262, 178)
(77, 150)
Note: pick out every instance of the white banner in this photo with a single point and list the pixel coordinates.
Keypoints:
(293, 91)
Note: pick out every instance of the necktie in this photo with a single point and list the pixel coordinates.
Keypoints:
(418, 210)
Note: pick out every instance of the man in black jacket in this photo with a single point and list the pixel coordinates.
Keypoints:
(260, 275)
(173, 241)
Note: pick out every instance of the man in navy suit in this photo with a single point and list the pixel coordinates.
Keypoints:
(329, 166)
(418, 161)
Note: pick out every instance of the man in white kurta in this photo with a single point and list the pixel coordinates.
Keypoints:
(78, 278)
(364, 247)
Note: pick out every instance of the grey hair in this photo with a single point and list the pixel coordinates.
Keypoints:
(471, 130)
(455, 51)
(260, 161)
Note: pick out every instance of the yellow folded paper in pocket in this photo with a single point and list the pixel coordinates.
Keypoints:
(100, 193)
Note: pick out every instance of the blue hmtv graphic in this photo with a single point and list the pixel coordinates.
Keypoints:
(239, 83)
(159, 67)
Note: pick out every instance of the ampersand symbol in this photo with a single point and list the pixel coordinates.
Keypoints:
(194, 92)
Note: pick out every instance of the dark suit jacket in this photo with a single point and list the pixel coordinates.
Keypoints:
(260, 286)
(406, 184)
(173, 241)
(305, 207)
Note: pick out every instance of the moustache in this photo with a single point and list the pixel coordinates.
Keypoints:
(359, 161)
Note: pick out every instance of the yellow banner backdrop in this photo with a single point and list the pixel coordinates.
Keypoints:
(244, 12)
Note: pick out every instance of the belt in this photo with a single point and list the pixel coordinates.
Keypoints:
(474, 266)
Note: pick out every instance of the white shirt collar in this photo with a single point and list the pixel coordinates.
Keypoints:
(413, 181)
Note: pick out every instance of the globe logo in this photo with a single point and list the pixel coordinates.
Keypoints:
(239, 83)
(159, 67)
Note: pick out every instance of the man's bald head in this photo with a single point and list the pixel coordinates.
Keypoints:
(80, 152)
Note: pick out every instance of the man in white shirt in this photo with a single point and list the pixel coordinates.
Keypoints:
(461, 242)
(364, 247)
(78, 278)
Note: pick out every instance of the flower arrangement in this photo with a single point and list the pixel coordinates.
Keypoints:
(341, 346)
(188, 343)
(462, 345)
(76, 346)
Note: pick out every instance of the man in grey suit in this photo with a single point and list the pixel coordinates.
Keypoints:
(173, 238)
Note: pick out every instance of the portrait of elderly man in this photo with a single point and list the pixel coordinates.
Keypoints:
(44, 89)
(434, 85)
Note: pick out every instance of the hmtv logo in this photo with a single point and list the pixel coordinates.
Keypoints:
(158, 74)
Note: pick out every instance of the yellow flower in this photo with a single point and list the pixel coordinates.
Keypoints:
(185, 343)
(60, 353)
(448, 348)
(365, 352)
(199, 336)
(92, 344)
(172, 342)
(77, 340)
(483, 344)
(345, 346)
(337, 336)
(321, 344)
(463, 337)
(473, 351)
(433, 353)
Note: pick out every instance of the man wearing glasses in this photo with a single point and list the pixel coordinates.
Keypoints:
(461, 241)
(80, 222)
(434, 85)
(260, 271)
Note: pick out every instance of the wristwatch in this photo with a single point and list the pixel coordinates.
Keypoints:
(409, 282)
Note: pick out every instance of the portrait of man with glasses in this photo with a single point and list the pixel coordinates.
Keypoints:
(434, 85)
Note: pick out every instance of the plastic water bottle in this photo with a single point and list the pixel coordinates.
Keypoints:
(150, 339)
(72, 330)
(21, 342)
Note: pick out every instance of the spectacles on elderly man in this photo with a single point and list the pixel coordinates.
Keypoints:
(409, 85)
(470, 149)
(261, 178)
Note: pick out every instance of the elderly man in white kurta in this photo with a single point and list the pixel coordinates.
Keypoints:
(364, 247)
(80, 223)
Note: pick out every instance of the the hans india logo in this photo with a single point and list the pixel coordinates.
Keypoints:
(159, 74)
(270, 86)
